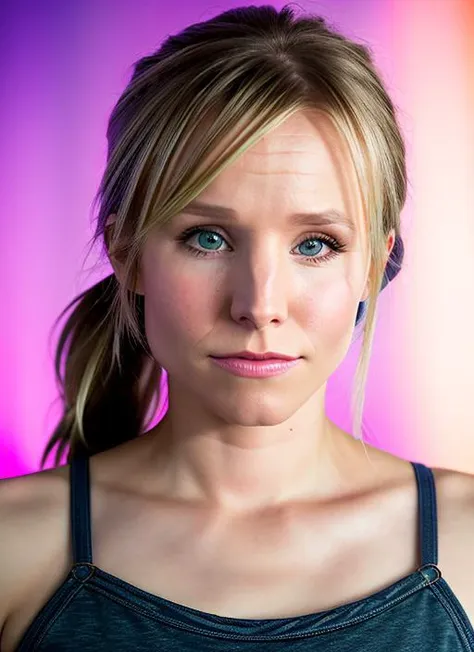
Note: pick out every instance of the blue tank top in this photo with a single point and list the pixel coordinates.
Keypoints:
(92, 610)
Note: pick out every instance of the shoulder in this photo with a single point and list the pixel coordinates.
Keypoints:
(24, 495)
(455, 510)
(32, 518)
(454, 485)
(455, 506)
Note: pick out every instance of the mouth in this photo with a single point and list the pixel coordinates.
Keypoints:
(252, 368)
(248, 355)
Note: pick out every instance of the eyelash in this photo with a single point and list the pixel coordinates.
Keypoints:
(335, 246)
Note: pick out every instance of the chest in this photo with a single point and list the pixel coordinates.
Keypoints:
(281, 563)
(274, 565)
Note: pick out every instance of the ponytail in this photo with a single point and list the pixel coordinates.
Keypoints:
(105, 401)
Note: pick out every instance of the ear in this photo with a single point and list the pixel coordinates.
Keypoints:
(108, 230)
(390, 245)
(117, 265)
(390, 242)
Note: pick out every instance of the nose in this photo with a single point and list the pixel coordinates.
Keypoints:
(260, 287)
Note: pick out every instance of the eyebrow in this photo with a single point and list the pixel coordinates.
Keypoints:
(327, 217)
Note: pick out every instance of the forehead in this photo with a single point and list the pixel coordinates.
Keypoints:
(303, 142)
(301, 165)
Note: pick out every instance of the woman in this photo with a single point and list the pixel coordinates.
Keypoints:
(250, 208)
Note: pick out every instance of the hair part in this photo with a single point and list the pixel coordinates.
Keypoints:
(190, 109)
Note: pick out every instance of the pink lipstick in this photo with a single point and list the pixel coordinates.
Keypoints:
(256, 368)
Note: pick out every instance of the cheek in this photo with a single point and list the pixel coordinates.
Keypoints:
(329, 322)
(177, 311)
(330, 311)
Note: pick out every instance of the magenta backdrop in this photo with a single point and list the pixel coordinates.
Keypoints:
(63, 67)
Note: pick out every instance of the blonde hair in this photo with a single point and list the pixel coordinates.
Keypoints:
(242, 72)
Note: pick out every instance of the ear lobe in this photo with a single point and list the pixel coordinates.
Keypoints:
(110, 220)
(108, 229)
(366, 293)
(390, 245)
(116, 264)
(118, 270)
(107, 235)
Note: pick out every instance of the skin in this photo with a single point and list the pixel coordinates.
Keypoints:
(241, 444)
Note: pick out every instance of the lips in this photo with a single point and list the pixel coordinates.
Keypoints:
(248, 368)
(248, 355)
(270, 359)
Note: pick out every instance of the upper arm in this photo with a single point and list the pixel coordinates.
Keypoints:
(24, 510)
(11, 541)
(455, 503)
(463, 561)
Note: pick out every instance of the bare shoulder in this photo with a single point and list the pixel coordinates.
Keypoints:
(32, 518)
(454, 489)
(455, 507)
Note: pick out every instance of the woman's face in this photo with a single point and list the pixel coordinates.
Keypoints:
(259, 278)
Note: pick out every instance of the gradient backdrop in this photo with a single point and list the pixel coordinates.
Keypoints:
(63, 66)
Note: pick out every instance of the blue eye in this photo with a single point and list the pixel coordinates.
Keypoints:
(312, 241)
(210, 238)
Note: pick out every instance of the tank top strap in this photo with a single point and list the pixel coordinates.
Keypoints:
(80, 510)
(81, 517)
(427, 514)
